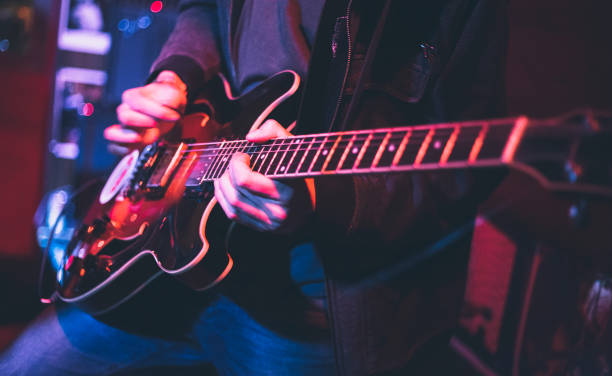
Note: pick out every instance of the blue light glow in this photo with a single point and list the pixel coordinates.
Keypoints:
(144, 22)
(4, 45)
(123, 25)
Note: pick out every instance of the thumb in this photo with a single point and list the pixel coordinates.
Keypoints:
(268, 130)
(241, 158)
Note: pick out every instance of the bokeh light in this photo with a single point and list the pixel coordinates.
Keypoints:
(157, 6)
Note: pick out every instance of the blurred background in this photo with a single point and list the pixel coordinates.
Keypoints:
(63, 67)
(65, 63)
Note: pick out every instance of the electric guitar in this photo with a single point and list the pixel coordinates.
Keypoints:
(157, 213)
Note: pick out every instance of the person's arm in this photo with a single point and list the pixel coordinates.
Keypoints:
(187, 61)
(192, 50)
(362, 223)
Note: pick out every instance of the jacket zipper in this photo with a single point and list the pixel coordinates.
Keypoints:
(338, 351)
(348, 61)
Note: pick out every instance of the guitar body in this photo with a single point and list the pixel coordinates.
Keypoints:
(157, 215)
(150, 219)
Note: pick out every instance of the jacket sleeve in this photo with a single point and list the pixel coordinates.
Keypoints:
(363, 224)
(192, 50)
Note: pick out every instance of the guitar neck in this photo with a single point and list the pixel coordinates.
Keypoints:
(451, 145)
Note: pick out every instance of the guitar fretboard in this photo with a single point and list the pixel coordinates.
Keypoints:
(370, 151)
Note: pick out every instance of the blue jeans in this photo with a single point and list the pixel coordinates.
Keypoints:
(66, 341)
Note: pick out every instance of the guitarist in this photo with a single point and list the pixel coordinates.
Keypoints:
(344, 300)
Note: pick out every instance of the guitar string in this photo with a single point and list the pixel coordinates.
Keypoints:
(303, 147)
(320, 138)
(215, 169)
(381, 131)
(314, 144)
(316, 139)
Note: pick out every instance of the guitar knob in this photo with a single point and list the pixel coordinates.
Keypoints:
(98, 227)
(104, 263)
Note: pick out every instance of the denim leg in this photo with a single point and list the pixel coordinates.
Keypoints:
(238, 345)
(67, 341)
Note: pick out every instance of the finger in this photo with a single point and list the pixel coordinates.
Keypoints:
(238, 203)
(244, 179)
(270, 129)
(269, 211)
(167, 94)
(277, 212)
(137, 102)
(220, 196)
(117, 149)
(116, 133)
(127, 116)
(120, 135)
(237, 207)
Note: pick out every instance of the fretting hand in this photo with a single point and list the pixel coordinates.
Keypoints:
(261, 203)
(147, 112)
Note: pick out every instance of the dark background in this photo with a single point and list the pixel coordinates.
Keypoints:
(559, 58)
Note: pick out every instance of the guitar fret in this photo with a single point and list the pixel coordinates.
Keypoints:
(413, 146)
(401, 149)
(318, 152)
(370, 150)
(262, 155)
(357, 143)
(244, 145)
(347, 149)
(236, 148)
(365, 146)
(465, 142)
(478, 143)
(308, 157)
(304, 145)
(220, 149)
(381, 149)
(388, 153)
(331, 155)
(495, 141)
(450, 145)
(225, 160)
(267, 163)
(239, 147)
(202, 167)
(253, 151)
(287, 158)
(424, 147)
(369, 156)
(436, 145)
(275, 161)
(517, 134)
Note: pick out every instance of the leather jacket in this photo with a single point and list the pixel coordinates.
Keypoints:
(394, 247)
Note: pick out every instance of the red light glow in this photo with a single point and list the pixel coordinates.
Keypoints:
(157, 6)
(88, 109)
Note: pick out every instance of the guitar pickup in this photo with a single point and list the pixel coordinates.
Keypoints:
(165, 168)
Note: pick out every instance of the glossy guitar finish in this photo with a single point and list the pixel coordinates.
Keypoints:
(146, 229)
(157, 214)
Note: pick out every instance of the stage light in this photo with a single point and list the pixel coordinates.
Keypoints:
(4, 45)
(87, 109)
(157, 6)
(123, 25)
(144, 22)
